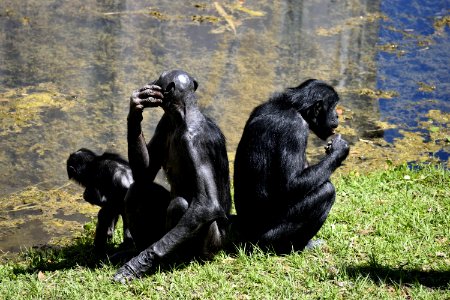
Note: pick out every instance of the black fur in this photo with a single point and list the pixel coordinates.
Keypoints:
(106, 178)
(281, 202)
(191, 149)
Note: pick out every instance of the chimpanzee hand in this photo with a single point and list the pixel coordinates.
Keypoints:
(135, 268)
(147, 96)
(92, 196)
(338, 146)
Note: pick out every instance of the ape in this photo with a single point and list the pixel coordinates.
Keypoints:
(281, 201)
(191, 150)
(106, 178)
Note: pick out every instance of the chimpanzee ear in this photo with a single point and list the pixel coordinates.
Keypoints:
(195, 85)
(170, 88)
(316, 108)
(71, 172)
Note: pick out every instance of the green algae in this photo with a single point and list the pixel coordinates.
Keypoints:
(367, 155)
(378, 94)
(16, 211)
(20, 108)
(440, 23)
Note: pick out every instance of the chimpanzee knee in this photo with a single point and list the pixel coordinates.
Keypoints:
(314, 215)
(328, 193)
(177, 208)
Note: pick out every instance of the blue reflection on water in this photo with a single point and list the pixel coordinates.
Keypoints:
(418, 69)
(422, 56)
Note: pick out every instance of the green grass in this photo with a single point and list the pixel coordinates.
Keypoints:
(387, 237)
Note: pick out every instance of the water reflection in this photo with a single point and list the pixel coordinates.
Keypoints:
(68, 67)
(417, 65)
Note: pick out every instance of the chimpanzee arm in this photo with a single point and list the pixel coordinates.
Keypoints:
(144, 165)
(107, 218)
(306, 180)
(92, 195)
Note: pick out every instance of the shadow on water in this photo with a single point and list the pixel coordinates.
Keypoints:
(385, 275)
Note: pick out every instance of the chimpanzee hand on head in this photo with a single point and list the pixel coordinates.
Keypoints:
(147, 96)
(169, 88)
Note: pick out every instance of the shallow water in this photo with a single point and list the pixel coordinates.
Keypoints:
(68, 67)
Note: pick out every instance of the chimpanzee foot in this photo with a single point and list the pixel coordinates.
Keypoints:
(135, 268)
(125, 274)
(313, 244)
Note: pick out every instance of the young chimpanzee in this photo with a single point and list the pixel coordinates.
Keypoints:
(281, 201)
(191, 149)
(106, 178)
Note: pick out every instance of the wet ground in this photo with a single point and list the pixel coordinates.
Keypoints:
(68, 67)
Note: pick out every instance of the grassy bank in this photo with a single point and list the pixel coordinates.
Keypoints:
(387, 236)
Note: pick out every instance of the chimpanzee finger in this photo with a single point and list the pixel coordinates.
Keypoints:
(150, 93)
(328, 147)
(151, 102)
(151, 87)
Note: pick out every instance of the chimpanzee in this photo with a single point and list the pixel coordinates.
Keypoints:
(281, 201)
(106, 178)
(191, 150)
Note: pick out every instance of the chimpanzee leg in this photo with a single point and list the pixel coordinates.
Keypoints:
(112, 226)
(107, 218)
(187, 230)
(207, 243)
(145, 213)
(302, 221)
(127, 238)
(177, 208)
(215, 239)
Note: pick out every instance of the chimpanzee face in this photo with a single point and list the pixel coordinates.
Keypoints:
(77, 164)
(322, 116)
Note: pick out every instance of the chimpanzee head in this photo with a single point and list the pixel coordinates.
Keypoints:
(78, 164)
(176, 84)
(318, 102)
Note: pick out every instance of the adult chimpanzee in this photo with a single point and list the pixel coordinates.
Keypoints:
(106, 178)
(281, 201)
(191, 150)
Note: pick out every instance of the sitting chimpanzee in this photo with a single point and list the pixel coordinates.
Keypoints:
(106, 178)
(281, 201)
(191, 150)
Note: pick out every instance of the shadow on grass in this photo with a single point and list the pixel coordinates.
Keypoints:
(52, 258)
(386, 275)
(81, 254)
